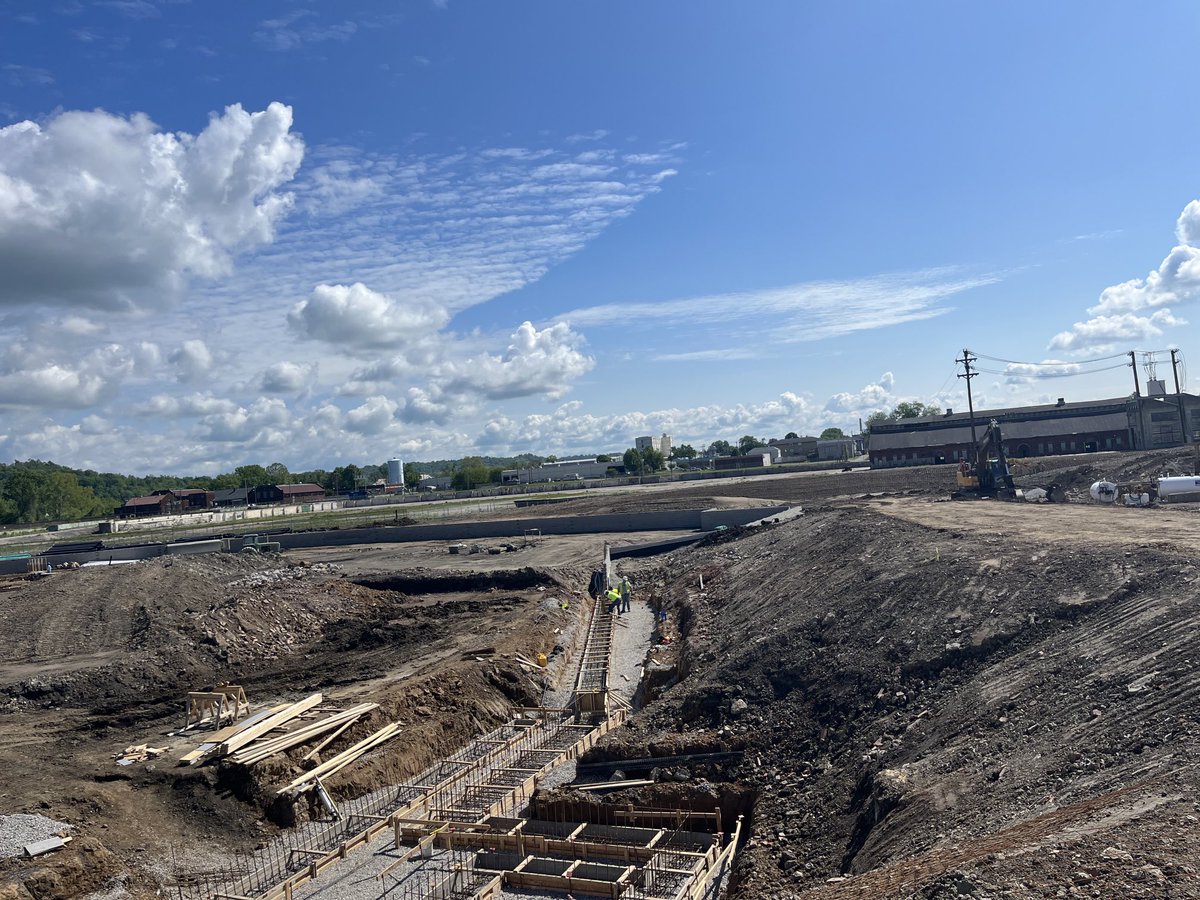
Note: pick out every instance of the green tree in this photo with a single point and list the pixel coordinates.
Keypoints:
(472, 471)
(652, 460)
(412, 476)
(349, 478)
(747, 442)
(790, 436)
(721, 448)
(23, 489)
(633, 462)
(63, 498)
(603, 457)
(277, 473)
(252, 476)
(913, 409)
(684, 451)
(906, 409)
(832, 434)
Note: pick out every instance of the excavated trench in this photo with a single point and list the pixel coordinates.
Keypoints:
(419, 583)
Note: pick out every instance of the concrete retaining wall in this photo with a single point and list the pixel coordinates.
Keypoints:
(671, 520)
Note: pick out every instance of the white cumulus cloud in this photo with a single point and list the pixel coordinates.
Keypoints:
(356, 316)
(104, 211)
(192, 359)
(287, 377)
(537, 362)
(1115, 320)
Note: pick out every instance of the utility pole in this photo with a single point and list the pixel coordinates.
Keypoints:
(1137, 389)
(966, 373)
(1179, 397)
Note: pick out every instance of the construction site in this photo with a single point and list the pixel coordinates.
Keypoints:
(838, 684)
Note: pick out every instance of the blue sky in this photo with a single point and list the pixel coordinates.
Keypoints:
(319, 233)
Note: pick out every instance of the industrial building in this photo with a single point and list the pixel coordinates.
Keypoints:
(755, 459)
(796, 449)
(560, 470)
(1122, 423)
(836, 448)
(661, 444)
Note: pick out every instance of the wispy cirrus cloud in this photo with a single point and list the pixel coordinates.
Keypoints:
(300, 27)
(718, 355)
(23, 76)
(807, 311)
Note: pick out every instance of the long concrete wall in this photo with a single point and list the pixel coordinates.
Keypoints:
(670, 520)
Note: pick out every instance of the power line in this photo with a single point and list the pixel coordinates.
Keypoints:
(1078, 362)
(1049, 374)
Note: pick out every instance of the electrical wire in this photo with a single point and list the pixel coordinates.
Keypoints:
(1078, 362)
(1049, 374)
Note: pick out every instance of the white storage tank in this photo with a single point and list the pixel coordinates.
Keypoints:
(395, 473)
(1179, 487)
(1103, 491)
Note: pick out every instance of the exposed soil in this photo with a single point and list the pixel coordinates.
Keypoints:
(101, 658)
(931, 712)
(903, 696)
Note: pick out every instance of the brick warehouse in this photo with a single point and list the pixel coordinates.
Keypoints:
(1124, 423)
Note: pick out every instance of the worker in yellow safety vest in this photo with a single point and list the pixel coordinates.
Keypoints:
(614, 600)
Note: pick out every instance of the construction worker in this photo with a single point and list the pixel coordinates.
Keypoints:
(625, 590)
(614, 600)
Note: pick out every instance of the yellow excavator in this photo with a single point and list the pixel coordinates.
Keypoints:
(987, 475)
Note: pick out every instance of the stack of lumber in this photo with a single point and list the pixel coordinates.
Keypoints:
(210, 748)
(302, 734)
(346, 757)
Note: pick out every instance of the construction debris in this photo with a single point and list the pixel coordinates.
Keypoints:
(37, 848)
(139, 753)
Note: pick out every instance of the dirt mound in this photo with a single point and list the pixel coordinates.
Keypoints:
(901, 693)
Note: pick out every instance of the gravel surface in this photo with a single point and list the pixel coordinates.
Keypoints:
(631, 643)
(21, 829)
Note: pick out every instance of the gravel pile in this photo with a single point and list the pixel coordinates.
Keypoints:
(21, 829)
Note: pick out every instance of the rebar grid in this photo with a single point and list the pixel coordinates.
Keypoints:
(450, 875)
(443, 783)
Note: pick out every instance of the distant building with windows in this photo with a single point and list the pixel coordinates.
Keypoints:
(662, 444)
(1123, 423)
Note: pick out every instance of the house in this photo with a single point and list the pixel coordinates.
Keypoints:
(154, 505)
(189, 499)
(231, 497)
(287, 493)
